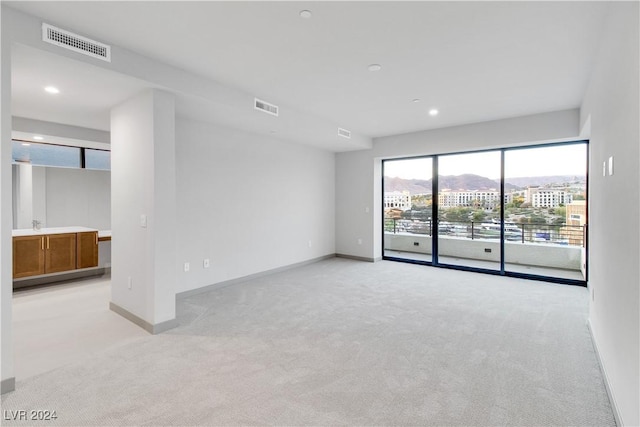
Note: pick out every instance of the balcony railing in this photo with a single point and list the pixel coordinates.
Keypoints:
(560, 234)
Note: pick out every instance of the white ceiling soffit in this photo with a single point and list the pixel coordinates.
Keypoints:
(58, 140)
(288, 126)
(473, 61)
(34, 69)
(51, 128)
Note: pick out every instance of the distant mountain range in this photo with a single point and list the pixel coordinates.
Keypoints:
(475, 182)
(536, 181)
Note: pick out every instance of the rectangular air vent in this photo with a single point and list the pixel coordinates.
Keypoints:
(344, 133)
(266, 107)
(71, 41)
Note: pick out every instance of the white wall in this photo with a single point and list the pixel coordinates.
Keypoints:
(612, 104)
(249, 203)
(143, 183)
(79, 197)
(22, 195)
(6, 202)
(358, 176)
(60, 197)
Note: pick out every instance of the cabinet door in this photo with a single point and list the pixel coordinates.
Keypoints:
(87, 252)
(28, 256)
(60, 252)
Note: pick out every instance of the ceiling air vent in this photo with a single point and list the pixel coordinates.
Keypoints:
(266, 107)
(344, 133)
(71, 41)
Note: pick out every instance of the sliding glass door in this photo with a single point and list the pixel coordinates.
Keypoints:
(546, 211)
(407, 206)
(514, 211)
(469, 210)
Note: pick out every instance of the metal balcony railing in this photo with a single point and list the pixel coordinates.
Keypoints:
(561, 234)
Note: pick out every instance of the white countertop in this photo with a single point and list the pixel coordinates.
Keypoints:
(104, 233)
(51, 230)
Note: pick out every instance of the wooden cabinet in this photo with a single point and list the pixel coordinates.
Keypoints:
(60, 252)
(54, 253)
(28, 256)
(87, 249)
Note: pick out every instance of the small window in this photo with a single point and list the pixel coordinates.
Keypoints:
(97, 159)
(46, 154)
(60, 155)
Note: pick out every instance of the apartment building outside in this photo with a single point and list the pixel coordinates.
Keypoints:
(397, 199)
(487, 199)
(547, 197)
(576, 216)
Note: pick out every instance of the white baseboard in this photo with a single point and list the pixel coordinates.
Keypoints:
(358, 258)
(7, 385)
(60, 277)
(153, 329)
(607, 384)
(192, 292)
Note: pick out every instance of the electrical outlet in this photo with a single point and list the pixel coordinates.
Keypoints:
(416, 243)
(359, 241)
(129, 283)
(186, 267)
(205, 263)
(143, 221)
(309, 243)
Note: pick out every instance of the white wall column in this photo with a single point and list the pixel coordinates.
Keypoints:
(24, 196)
(39, 194)
(143, 210)
(6, 210)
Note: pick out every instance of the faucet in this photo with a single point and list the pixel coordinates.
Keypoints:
(36, 224)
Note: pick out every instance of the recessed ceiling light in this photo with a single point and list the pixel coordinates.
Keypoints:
(52, 89)
(305, 14)
(375, 67)
(433, 112)
(415, 100)
(25, 144)
(38, 138)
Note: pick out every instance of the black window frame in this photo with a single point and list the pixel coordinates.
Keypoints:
(435, 217)
(82, 154)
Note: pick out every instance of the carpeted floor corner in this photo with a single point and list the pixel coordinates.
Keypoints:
(343, 342)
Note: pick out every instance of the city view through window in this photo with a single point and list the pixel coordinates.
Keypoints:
(544, 202)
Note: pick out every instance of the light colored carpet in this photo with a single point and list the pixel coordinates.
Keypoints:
(342, 342)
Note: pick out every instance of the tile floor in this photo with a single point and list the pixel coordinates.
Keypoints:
(59, 324)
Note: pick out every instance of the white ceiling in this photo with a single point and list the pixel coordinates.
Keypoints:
(87, 92)
(474, 61)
